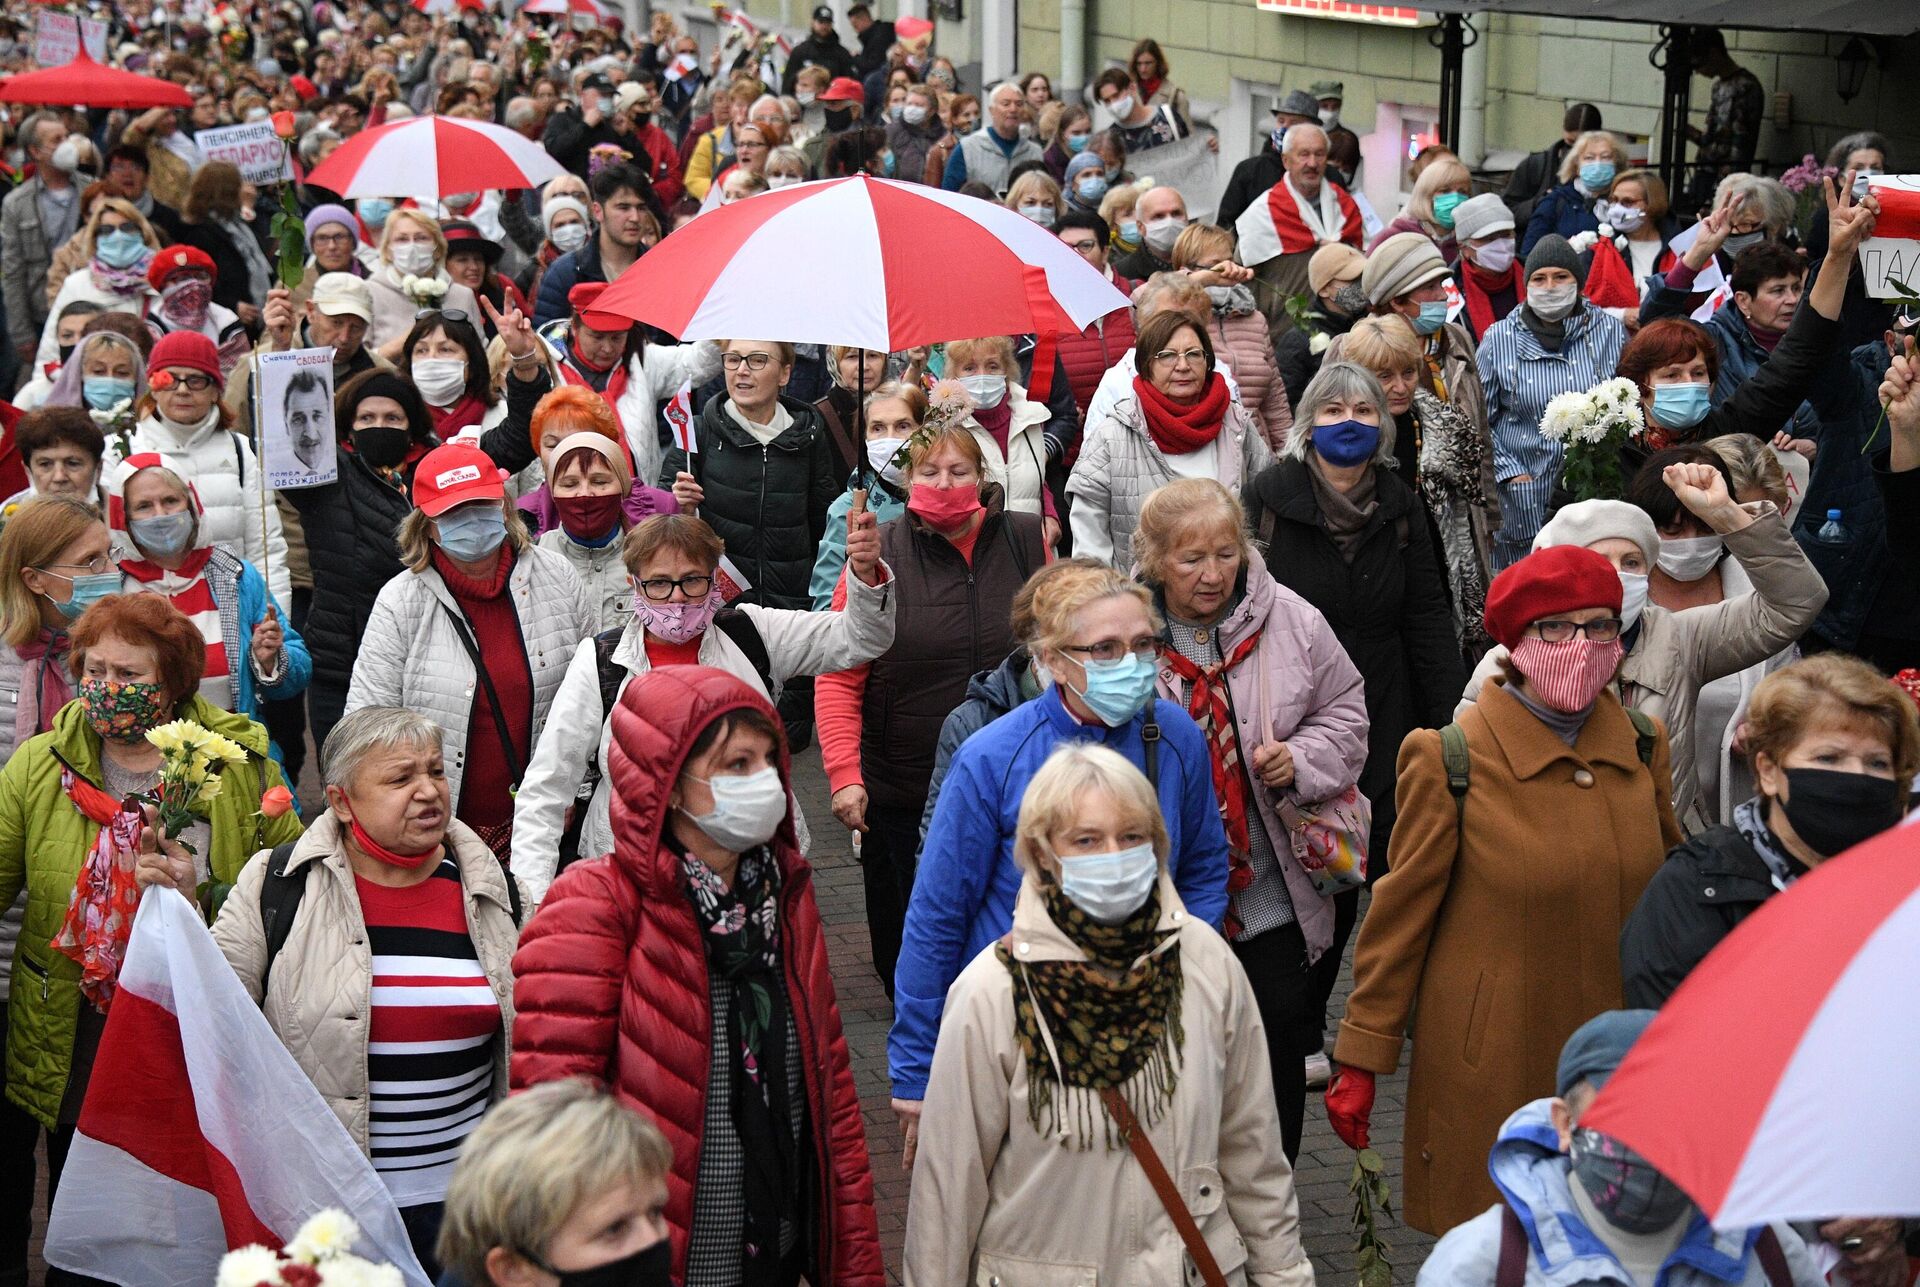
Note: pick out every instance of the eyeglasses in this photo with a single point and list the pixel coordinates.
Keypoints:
(99, 565)
(1172, 357)
(444, 314)
(195, 383)
(660, 589)
(751, 361)
(1086, 247)
(1599, 630)
(333, 239)
(1146, 648)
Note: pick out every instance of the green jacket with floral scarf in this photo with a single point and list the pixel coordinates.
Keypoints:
(44, 838)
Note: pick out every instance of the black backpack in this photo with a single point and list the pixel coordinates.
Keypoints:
(280, 896)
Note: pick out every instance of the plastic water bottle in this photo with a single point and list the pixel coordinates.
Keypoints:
(1831, 532)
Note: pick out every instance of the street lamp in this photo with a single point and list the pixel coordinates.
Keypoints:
(1854, 57)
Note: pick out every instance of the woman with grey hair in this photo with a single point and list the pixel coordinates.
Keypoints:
(1341, 530)
(380, 945)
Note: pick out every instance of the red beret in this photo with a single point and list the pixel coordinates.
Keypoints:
(582, 298)
(304, 87)
(188, 349)
(178, 259)
(1561, 578)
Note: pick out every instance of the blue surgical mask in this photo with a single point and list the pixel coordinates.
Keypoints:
(1110, 887)
(1117, 690)
(1680, 406)
(889, 165)
(163, 534)
(120, 249)
(374, 211)
(472, 532)
(1350, 442)
(1596, 174)
(1090, 188)
(105, 392)
(87, 591)
(1077, 143)
(1129, 232)
(1433, 315)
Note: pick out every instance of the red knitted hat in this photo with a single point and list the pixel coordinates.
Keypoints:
(188, 349)
(1560, 578)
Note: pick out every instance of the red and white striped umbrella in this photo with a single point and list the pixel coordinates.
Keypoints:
(434, 156)
(862, 261)
(1782, 1080)
(449, 6)
(578, 8)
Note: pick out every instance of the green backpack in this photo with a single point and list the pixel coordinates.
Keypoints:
(1453, 754)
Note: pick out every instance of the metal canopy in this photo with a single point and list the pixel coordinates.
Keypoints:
(1838, 17)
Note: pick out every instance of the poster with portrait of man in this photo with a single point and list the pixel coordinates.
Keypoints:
(294, 397)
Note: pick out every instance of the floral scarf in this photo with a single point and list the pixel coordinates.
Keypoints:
(740, 930)
(99, 918)
(131, 280)
(1103, 1032)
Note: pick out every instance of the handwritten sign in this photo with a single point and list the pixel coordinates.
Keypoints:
(254, 149)
(1892, 254)
(57, 37)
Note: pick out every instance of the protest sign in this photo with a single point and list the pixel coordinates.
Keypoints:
(1189, 165)
(294, 394)
(57, 38)
(1892, 254)
(253, 148)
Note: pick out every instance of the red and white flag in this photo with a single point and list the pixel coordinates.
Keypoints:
(679, 414)
(1285, 223)
(200, 1133)
(730, 580)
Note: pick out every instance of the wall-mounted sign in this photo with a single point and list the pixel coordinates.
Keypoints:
(1386, 15)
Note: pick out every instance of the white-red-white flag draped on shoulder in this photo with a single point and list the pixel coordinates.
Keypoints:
(200, 1133)
(1285, 223)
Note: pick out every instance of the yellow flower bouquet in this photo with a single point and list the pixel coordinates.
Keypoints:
(192, 759)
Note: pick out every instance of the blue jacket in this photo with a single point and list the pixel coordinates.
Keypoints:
(963, 891)
(1533, 1175)
(563, 274)
(881, 501)
(1565, 210)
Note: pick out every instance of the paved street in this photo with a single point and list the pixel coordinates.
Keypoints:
(1325, 1162)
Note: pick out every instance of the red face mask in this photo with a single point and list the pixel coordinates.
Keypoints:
(374, 849)
(944, 508)
(588, 518)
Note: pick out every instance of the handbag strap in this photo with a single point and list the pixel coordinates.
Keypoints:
(493, 698)
(1142, 1147)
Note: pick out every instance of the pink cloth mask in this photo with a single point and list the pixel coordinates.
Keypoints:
(1568, 675)
(675, 622)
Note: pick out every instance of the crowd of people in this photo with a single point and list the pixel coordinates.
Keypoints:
(1266, 600)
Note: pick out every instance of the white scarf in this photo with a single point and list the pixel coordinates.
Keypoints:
(1323, 220)
(766, 433)
(187, 434)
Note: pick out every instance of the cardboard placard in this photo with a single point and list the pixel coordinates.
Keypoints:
(57, 37)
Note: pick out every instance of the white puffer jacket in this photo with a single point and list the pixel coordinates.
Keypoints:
(797, 642)
(1021, 470)
(602, 573)
(410, 655)
(221, 467)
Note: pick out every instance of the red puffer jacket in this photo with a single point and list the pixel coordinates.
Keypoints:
(1090, 354)
(610, 981)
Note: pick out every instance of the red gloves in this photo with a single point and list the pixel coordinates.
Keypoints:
(1350, 1104)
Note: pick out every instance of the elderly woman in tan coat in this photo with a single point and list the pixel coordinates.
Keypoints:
(1023, 1173)
(386, 896)
(1526, 834)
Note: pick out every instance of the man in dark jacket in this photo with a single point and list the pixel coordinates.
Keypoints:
(821, 49)
(1343, 145)
(875, 39)
(622, 198)
(572, 133)
(990, 694)
(1541, 170)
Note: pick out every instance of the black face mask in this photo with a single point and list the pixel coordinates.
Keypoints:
(839, 118)
(382, 446)
(647, 1268)
(66, 351)
(1835, 811)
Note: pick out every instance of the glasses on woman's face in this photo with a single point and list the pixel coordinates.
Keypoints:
(660, 588)
(1177, 357)
(1146, 648)
(751, 361)
(194, 383)
(95, 567)
(1599, 630)
(332, 239)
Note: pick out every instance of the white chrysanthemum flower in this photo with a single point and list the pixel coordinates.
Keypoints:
(248, 1267)
(326, 1234)
(1564, 415)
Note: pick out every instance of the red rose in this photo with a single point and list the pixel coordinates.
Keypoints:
(161, 381)
(283, 125)
(276, 802)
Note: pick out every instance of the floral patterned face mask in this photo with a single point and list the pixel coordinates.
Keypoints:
(122, 712)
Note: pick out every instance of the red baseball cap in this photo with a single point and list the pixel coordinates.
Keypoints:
(582, 298)
(844, 89)
(179, 259)
(453, 475)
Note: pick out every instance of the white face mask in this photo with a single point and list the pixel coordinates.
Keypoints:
(914, 114)
(782, 180)
(1553, 302)
(1495, 256)
(1121, 107)
(1329, 116)
(413, 257)
(569, 237)
(440, 380)
(66, 157)
(1625, 218)
(880, 455)
(1110, 887)
(1163, 232)
(1689, 558)
(1633, 597)
(1040, 214)
(747, 809)
(985, 390)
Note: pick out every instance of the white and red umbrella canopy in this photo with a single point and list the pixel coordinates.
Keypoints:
(434, 156)
(1782, 1080)
(578, 8)
(449, 6)
(865, 262)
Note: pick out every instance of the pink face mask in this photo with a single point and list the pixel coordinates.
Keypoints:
(675, 622)
(1568, 675)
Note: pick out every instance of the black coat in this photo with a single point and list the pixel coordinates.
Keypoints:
(768, 503)
(229, 263)
(1250, 181)
(1706, 886)
(1388, 608)
(828, 53)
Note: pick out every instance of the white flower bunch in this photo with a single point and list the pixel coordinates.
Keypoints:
(1564, 415)
(1610, 408)
(324, 1246)
(424, 291)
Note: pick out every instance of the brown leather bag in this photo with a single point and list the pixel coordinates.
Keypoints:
(1142, 1147)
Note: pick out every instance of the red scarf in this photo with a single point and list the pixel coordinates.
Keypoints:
(99, 917)
(147, 570)
(1179, 428)
(449, 423)
(1148, 88)
(1476, 282)
(1212, 710)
